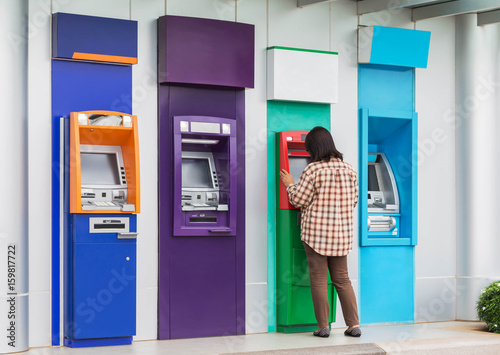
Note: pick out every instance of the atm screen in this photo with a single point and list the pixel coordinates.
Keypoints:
(99, 169)
(196, 173)
(372, 179)
(297, 166)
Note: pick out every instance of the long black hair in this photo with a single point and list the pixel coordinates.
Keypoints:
(320, 145)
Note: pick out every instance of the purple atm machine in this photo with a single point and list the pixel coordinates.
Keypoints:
(205, 193)
(204, 67)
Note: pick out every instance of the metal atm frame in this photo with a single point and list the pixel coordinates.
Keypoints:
(122, 141)
(291, 144)
(205, 211)
(388, 138)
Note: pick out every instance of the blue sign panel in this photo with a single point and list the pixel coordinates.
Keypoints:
(94, 38)
(399, 47)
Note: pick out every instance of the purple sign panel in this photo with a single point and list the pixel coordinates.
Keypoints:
(207, 52)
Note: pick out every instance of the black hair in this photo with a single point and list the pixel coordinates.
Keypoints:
(319, 144)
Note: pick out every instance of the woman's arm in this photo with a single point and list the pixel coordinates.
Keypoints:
(356, 189)
(301, 194)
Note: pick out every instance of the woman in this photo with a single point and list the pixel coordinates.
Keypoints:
(327, 193)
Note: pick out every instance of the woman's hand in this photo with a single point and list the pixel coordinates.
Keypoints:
(286, 178)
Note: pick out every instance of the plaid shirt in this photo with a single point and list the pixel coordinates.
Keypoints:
(327, 193)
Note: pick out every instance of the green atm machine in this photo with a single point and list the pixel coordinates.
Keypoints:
(294, 307)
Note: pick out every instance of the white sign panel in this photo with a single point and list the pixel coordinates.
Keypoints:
(302, 75)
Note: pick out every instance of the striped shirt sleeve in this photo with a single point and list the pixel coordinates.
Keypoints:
(301, 194)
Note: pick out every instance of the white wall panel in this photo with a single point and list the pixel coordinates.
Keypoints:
(14, 178)
(144, 105)
(147, 315)
(213, 9)
(40, 314)
(119, 9)
(435, 99)
(254, 12)
(40, 146)
(478, 169)
(468, 291)
(435, 299)
(39, 172)
(292, 26)
(256, 303)
(256, 308)
(344, 114)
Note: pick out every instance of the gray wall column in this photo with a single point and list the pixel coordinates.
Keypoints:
(478, 160)
(14, 176)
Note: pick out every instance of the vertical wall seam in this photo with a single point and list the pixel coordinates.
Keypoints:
(456, 180)
(359, 153)
(415, 312)
(330, 29)
(50, 24)
(267, 23)
(357, 45)
(270, 240)
(57, 288)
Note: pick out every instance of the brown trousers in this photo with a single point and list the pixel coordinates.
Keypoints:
(318, 271)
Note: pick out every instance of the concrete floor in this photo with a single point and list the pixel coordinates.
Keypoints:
(424, 338)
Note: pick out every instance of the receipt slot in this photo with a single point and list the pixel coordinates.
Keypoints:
(294, 308)
(101, 231)
(205, 175)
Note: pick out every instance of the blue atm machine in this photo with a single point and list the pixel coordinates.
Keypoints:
(102, 184)
(387, 215)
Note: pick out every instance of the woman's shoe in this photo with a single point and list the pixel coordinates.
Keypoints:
(354, 332)
(324, 333)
